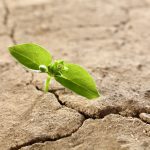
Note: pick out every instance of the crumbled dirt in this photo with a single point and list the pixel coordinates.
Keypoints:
(111, 39)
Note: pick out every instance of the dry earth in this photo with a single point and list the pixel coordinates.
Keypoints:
(111, 38)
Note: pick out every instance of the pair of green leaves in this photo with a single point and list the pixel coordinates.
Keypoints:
(71, 76)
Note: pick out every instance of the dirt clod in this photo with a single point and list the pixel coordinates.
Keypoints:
(145, 117)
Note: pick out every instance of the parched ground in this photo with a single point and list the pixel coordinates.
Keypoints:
(111, 38)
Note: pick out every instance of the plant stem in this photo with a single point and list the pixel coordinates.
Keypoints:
(47, 82)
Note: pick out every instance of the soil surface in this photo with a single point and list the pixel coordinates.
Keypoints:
(111, 38)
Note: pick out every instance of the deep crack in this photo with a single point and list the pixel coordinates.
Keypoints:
(57, 96)
(101, 112)
(54, 92)
(63, 104)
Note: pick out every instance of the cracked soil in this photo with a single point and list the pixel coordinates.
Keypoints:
(108, 37)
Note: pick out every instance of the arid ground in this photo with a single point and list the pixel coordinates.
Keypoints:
(111, 39)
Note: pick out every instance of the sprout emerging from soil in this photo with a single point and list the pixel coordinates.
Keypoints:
(71, 76)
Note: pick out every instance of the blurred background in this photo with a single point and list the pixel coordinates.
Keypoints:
(89, 32)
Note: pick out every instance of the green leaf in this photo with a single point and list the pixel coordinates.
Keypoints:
(31, 55)
(78, 80)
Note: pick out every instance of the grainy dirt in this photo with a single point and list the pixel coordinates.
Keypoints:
(111, 38)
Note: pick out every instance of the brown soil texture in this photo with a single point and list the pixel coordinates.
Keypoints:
(111, 38)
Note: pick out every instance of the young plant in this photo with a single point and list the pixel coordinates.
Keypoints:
(71, 76)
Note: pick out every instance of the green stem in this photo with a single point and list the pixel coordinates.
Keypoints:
(47, 82)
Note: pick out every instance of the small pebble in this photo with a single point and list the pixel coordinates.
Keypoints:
(145, 117)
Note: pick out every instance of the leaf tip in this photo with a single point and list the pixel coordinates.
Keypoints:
(10, 49)
(96, 95)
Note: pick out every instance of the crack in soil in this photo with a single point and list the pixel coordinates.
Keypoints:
(7, 13)
(12, 34)
(54, 92)
(101, 113)
(45, 139)
(63, 104)
(5, 22)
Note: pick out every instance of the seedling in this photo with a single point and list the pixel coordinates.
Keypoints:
(71, 76)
